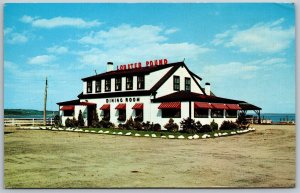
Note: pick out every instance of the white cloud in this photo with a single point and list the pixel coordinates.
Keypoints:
(59, 22)
(17, 38)
(171, 31)
(127, 43)
(7, 30)
(41, 59)
(239, 70)
(58, 50)
(261, 38)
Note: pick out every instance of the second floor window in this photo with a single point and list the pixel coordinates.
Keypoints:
(176, 83)
(98, 86)
(118, 84)
(187, 84)
(89, 88)
(140, 82)
(107, 85)
(129, 83)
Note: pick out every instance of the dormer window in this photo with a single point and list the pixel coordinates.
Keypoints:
(118, 84)
(140, 82)
(107, 85)
(176, 83)
(98, 85)
(129, 83)
(89, 88)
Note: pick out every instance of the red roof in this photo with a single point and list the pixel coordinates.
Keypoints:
(68, 108)
(121, 106)
(233, 106)
(170, 105)
(202, 105)
(105, 107)
(219, 106)
(138, 106)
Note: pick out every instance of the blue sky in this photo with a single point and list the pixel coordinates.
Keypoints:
(246, 51)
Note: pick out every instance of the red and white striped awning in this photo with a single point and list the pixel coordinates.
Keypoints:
(233, 106)
(138, 106)
(68, 108)
(121, 106)
(219, 106)
(170, 105)
(105, 107)
(202, 105)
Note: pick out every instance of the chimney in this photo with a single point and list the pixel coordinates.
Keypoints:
(207, 88)
(109, 67)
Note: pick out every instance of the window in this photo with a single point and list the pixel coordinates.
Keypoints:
(139, 115)
(122, 115)
(231, 113)
(216, 113)
(89, 87)
(68, 112)
(106, 115)
(171, 113)
(98, 86)
(118, 84)
(176, 83)
(141, 82)
(107, 84)
(201, 113)
(129, 83)
(187, 84)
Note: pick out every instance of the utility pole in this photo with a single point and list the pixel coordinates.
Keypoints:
(45, 101)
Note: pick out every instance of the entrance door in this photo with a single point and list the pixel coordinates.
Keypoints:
(91, 112)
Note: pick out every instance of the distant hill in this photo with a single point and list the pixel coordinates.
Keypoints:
(23, 112)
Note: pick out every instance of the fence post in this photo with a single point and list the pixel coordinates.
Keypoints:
(50, 121)
(33, 121)
(13, 121)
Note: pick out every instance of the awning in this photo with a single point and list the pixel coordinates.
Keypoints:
(233, 107)
(68, 108)
(170, 105)
(105, 107)
(202, 105)
(121, 106)
(219, 106)
(87, 103)
(138, 106)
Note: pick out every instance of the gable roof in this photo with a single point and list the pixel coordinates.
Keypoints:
(192, 96)
(137, 71)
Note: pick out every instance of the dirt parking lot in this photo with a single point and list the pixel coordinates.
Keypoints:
(59, 159)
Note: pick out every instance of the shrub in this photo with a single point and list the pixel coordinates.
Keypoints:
(138, 119)
(171, 126)
(137, 125)
(68, 122)
(129, 124)
(214, 126)
(205, 128)
(80, 119)
(57, 120)
(242, 122)
(188, 125)
(106, 124)
(156, 127)
(229, 125)
(147, 126)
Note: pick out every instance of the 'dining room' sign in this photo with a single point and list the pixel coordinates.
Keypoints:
(150, 63)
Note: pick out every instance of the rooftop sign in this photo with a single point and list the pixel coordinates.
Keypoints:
(150, 63)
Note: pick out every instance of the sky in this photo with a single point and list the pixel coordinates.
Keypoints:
(245, 51)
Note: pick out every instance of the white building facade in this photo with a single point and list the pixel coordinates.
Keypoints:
(154, 93)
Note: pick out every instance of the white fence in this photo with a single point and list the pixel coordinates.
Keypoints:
(27, 121)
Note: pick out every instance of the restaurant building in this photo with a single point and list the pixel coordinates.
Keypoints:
(155, 92)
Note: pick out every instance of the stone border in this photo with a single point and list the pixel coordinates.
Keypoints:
(128, 133)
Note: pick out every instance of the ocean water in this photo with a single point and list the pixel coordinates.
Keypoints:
(278, 117)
